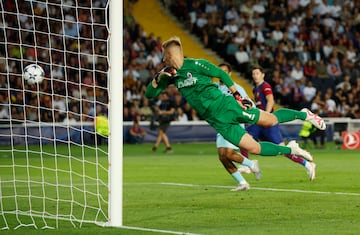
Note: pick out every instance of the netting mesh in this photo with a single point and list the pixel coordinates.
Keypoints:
(53, 164)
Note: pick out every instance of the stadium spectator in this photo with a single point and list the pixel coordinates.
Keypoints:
(277, 34)
(353, 106)
(345, 85)
(136, 133)
(194, 12)
(231, 27)
(133, 112)
(193, 114)
(232, 15)
(180, 115)
(327, 48)
(242, 36)
(201, 23)
(70, 119)
(211, 7)
(59, 104)
(297, 96)
(256, 35)
(72, 28)
(334, 70)
(304, 55)
(46, 114)
(316, 52)
(309, 93)
(321, 70)
(297, 72)
(164, 111)
(247, 8)
(330, 104)
(266, 58)
(4, 112)
(126, 114)
(242, 59)
(145, 110)
(259, 7)
(281, 92)
(318, 105)
(351, 53)
(210, 31)
(310, 70)
(154, 58)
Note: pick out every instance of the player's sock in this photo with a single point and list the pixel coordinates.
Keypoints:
(270, 149)
(286, 115)
(239, 178)
(247, 162)
(295, 158)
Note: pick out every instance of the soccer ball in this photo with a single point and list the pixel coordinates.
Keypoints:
(33, 74)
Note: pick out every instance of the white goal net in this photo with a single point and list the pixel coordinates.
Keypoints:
(53, 153)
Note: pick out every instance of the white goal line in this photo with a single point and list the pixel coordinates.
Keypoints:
(101, 224)
(258, 188)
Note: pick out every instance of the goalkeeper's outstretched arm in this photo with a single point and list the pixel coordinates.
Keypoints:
(152, 90)
(159, 82)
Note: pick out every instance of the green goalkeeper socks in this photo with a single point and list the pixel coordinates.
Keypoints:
(286, 115)
(270, 149)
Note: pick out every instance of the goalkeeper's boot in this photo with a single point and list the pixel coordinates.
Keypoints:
(310, 169)
(256, 169)
(317, 121)
(296, 150)
(241, 187)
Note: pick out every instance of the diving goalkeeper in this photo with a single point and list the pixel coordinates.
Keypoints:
(193, 77)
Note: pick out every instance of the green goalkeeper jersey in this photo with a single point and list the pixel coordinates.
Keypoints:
(194, 81)
(221, 111)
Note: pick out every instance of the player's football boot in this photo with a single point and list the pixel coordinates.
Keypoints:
(311, 170)
(296, 150)
(244, 170)
(256, 169)
(241, 187)
(317, 121)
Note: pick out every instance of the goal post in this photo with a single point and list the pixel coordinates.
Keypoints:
(116, 115)
(55, 165)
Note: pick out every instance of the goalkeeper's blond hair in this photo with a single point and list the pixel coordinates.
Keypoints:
(173, 41)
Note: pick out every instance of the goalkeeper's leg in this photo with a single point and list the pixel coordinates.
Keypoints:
(270, 149)
(282, 115)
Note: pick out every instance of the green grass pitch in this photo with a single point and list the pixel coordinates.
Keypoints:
(189, 191)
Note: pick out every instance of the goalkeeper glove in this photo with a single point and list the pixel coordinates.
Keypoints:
(164, 73)
(243, 101)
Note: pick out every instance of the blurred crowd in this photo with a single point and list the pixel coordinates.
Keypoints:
(142, 59)
(308, 48)
(68, 39)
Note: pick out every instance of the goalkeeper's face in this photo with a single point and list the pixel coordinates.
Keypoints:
(173, 57)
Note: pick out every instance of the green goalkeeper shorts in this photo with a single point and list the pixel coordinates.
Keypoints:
(224, 116)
